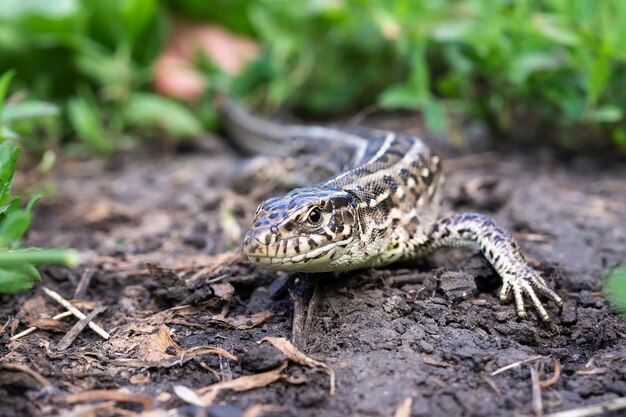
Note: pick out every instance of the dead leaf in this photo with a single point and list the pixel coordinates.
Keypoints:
(35, 307)
(223, 290)
(244, 322)
(207, 395)
(292, 352)
(49, 324)
(170, 360)
(107, 211)
(158, 346)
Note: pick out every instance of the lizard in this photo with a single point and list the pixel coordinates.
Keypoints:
(381, 206)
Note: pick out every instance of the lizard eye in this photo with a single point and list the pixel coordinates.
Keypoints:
(315, 215)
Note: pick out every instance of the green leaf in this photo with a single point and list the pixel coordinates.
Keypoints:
(5, 80)
(28, 109)
(8, 161)
(66, 257)
(16, 222)
(615, 288)
(526, 64)
(136, 14)
(11, 205)
(452, 31)
(619, 138)
(8, 134)
(598, 77)
(400, 96)
(146, 110)
(434, 116)
(86, 120)
(17, 277)
(606, 114)
(20, 9)
(550, 27)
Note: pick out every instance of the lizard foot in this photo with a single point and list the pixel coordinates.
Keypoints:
(526, 281)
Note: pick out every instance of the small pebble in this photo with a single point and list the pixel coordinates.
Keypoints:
(262, 358)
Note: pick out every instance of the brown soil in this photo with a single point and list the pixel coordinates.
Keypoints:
(162, 233)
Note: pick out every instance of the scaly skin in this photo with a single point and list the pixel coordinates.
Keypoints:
(381, 207)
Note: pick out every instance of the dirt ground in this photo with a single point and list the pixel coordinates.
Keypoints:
(162, 232)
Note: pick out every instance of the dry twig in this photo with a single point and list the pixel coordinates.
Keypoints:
(14, 367)
(77, 329)
(554, 378)
(76, 312)
(83, 284)
(516, 364)
(33, 328)
(537, 403)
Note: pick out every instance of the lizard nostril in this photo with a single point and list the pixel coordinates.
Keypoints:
(274, 229)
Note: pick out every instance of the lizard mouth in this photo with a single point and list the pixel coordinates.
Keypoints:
(278, 257)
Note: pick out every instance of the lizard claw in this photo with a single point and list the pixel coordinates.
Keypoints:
(528, 282)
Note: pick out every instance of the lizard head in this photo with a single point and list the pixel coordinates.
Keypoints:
(308, 230)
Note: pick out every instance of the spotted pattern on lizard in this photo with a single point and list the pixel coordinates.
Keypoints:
(382, 206)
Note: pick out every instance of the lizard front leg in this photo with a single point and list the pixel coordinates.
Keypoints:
(501, 250)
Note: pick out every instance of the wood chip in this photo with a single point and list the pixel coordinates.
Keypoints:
(492, 385)
(223, 290)
(429, 360)
(404, 409)
(259, 409)
(292, 352)
(533, 237)
(109, 395)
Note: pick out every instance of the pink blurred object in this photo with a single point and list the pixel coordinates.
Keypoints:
(174, 74)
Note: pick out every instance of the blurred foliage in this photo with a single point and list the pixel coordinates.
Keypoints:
(615, 288)
(94, 58)
(552, 69)
(555, 66)
(17, 266)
